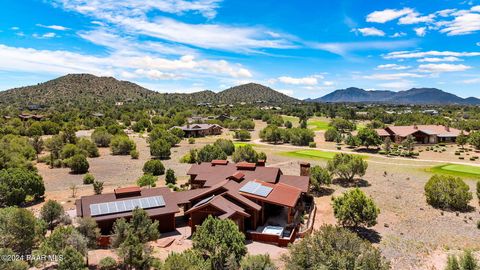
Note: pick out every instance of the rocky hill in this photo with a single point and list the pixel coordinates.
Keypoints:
(81, 89)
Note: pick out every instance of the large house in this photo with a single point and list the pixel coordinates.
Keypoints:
(425, 134)
(200, 130)
(265, 204)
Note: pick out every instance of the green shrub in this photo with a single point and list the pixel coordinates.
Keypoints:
(98, 187)
(354, 208)
(121, 145)
(78, 164)
(191, 140)
(447, 192)
(107, 263)
(170, 177)
(134, 154)
(88, 179)
(154, 167)
(147, 180)
(312, 145)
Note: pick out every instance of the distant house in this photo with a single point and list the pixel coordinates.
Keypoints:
(265, 204)
(200, 130)
(424, 134)
(99, 115)
(27, 116)
(430, 112)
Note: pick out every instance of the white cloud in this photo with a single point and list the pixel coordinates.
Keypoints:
(311, 80)
(398, 34)
(475, 8)
(392, 67)
(464, 23)
(46, 35)
(471, 81)
(61, 62)
(420, 31)
(445, 12)
(415, 17)
(132, 17)
(14, 28)
(54, 27)
(206, 8)
(439, 68)
(328, 83)
(478, 43)
(387, 15)
(370, 31)
(343, 48)
(392, 76)
(413, 54)
(440, 59)
(286, 92)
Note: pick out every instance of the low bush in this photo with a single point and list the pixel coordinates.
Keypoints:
(88, 179)
(447, 192)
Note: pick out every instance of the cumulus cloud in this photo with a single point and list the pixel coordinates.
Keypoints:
(440, 68)
(415, 18)
(392, 67)
(420, 31)
(311, 80)
(387, 15)
(398, 34)
(463, 24)
(370, 31)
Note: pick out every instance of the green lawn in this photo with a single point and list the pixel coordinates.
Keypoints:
(316, 124)
(310, 154)
(292, 119)
(457, 170)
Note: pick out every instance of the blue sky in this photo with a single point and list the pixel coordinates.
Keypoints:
(304, 48)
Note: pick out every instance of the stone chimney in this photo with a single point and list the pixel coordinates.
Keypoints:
(415, 126)
(261, 163)
(447, 128)
(304, 169)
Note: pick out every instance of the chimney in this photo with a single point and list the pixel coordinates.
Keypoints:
(447, 128)
(415, 126)
(261, 163)
(304, 169)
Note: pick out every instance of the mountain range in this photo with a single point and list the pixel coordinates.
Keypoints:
(87, 89)
(79, 89)
(412, 96)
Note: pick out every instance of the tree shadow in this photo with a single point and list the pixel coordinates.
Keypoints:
(467, 209)
(355, 183)
(368, 234)
(367, 150)
(324, 191)
(33, 202)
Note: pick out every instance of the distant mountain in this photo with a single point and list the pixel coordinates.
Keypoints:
(87, 89)
(252, 92)
(412, 96)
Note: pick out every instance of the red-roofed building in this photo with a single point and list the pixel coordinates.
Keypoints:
(265, 204)
(424, 134)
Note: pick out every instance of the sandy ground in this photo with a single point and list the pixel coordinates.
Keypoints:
(410, 233)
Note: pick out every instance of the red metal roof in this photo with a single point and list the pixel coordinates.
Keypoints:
(282, 194)
(127, 190)
(219, 162)
(246, 165)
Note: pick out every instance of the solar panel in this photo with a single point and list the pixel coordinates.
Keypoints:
(98, 209)
(204, 201)
(250, 187)
(263, 191)
(256, 189)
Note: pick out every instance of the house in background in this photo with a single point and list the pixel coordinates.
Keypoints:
(200, 130)
(27, 116)
(423, 134)
(265, 204)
